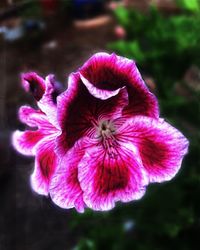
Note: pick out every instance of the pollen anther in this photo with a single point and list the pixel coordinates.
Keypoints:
(106, 134)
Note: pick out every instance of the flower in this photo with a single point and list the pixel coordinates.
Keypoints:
(111, 72)
(40, 140)
(101, 141)
(113, 143)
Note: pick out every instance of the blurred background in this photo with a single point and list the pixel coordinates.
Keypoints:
(57, 36)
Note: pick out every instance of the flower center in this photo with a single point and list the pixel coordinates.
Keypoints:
(106, 134)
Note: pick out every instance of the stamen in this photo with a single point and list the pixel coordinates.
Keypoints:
(106, 133)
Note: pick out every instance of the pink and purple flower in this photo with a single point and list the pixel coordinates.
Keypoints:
(39, 141)
(101, 140)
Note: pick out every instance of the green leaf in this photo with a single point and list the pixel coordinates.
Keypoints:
(122, 15)
(191, 5)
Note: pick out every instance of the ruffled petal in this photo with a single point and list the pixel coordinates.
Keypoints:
(98, 93)
(65, 189)
(79, 112)
(33, 83)
(37, 119)
(106, 179)
(45, 164)
(48, 102)
(25, 142)
(45, 92)
(161, 146)
(111, 72)
(31, 116)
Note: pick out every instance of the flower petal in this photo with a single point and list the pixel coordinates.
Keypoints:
(45, 165)
(25, 142)
(31, 116)
(44, 91)
(33, 83)
(48, 103)
(79, 112)
(106, 179)
(98, 93)
(161, 146)
(111, 72)
(65, 189)
(36, 118)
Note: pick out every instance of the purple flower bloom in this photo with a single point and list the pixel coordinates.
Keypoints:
(108, 139)
(39, 141)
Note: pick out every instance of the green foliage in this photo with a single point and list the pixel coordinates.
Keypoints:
(162, 46)
(85, 244)
(189, 5)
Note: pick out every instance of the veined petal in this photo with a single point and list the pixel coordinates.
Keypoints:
(79, 112)
(65, 189)
(111, 72)
(25, 142)
(98, 93)
(101, 71)
(45, 164)
(36, 118)
(141, 102)
(45, 92)
(48, 103)
(31, 116)
(161, 146)
(106, 179)
(33, 83)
